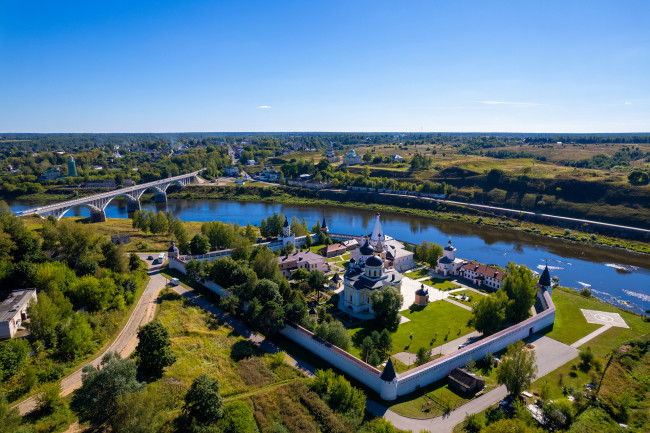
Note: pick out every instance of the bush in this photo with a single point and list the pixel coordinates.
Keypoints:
(586, 357)
(335, 333)
(585, 292)
(474, 423)
(238, 418)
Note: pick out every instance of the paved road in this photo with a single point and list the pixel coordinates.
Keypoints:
(523, 212)
(550, 353)
(125, 342)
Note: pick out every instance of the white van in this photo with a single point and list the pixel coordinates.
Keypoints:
(174, 282)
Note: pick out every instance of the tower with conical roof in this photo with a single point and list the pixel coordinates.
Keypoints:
(324, 229)
(389, 381)
(545, 282)
(377, 233)
(72, 167)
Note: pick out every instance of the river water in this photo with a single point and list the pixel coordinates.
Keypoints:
(618, 277)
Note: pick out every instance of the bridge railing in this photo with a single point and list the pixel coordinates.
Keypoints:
(113, 193)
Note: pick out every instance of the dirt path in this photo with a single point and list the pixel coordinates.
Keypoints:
(125, 342)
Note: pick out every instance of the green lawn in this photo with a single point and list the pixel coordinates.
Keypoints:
(436, 318)
(430, 401)
(441, 284)
(473, 296)
(420, 273)
(570, 325)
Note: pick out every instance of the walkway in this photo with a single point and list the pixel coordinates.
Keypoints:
(594, 334)
(460, 304)
(125, 342)
(551, 354)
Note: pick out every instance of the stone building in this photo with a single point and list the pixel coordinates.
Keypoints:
(13, 311)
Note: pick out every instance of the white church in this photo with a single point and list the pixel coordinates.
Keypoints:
(448, 264)
(391, 251)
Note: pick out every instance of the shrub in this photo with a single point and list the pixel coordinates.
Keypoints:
(238, 418)
(585, 292)
(474, 423)
(586, 357)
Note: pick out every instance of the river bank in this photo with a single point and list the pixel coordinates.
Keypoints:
(444, 213)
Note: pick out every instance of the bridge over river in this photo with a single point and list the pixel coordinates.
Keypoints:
(97, 203)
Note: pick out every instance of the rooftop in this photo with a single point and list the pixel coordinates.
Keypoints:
(14, 302)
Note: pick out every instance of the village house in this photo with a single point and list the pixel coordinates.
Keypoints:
(482, 275)
(333, 250)
(465, 381)
(52, 173)
(13, 311)
(301, 260)
(269, 174)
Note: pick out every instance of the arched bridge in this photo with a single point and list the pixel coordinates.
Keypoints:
(97, 203)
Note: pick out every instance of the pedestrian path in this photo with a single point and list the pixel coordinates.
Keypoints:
(591, 336)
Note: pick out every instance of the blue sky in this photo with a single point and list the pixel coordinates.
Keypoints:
(165, 66)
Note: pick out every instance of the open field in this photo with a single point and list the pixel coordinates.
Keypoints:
(420, 273)
(430, 326)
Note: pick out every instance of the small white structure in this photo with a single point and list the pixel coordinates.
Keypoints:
(13, 311)
(448, 263)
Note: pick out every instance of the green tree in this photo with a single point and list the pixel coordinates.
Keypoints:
(97, 399)
(638, 177)
(154, 352)
(10, 418)
(335, 333)
(13, 355)
(114, 257)
(238, 418)
(517, 368)
(300, 274)
(76, 339)
(203, 400)
(339, 394)
(428, 252)
(386, 303)
(316, 280)
(488, 313)
(265, 264)
(49, 398)
(519, 285)
(200, 244)
(134, 262)
(423, 356)
(76, 242)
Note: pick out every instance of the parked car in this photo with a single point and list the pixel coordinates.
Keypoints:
(150, 258)
(174, 282)
(461, 346)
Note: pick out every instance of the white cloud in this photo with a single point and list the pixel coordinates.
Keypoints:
(628, 103)
(264, 107)
(507, 103)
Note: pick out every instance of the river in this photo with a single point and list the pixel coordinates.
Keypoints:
(615, 276)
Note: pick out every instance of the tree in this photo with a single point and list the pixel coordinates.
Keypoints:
(367, 157)
(474, 423)
(519, 285)
(203, 400)
(114, 257)
(49, 398)
(153, 352)
(10, 418)
(76, 339)
(46, 314)
(96, 400)
(308, 241)
(339, 394)
(238, 418)
(367, 348)
(267, 291)
(488, 313)
(422, 356)
(76, 242)
(316, 280)
(638, 177)
(428, 252)
(385, 343)
(300, 274)
(13, 354)
(386, 303)
(517, 368)
(335, 333)
(265, 264)
(134, 262)
(200, 244)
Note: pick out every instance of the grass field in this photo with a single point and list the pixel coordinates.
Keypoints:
(473, 296)
(441, 284)
(429, 326)
(420, 273)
